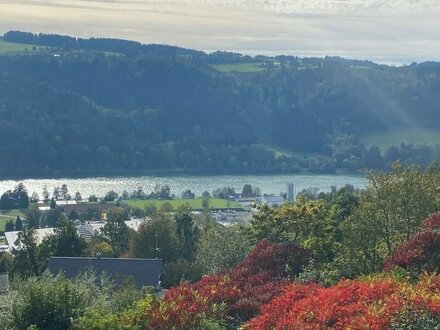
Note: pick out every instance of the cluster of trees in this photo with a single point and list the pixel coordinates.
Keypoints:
(158, 192)
(15, 199)
(12, 225)
(85, 112)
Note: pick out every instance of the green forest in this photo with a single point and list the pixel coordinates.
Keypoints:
(82, 106)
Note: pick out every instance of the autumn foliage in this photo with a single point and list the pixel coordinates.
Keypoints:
(235, 295)
(261, 293)
(421, 251)
(370, 304)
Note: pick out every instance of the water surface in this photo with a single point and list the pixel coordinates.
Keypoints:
(269, 184)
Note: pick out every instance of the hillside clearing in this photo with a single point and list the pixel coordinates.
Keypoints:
(14, 48)
(407, 136)
(238, 67)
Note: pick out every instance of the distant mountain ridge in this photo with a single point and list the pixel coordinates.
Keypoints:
(125, 47)
(96, 105)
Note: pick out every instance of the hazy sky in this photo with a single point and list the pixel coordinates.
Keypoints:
(388, 31)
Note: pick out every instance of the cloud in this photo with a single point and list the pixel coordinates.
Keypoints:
(383, 30)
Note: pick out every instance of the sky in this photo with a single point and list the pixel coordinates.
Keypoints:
(385, 31)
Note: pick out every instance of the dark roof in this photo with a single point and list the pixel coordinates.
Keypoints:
(144, 272)
(84, 207)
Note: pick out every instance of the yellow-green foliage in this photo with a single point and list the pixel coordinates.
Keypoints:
(132, 318)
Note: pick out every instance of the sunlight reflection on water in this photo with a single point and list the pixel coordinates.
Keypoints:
(269, 184)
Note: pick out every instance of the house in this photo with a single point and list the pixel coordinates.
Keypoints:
(39, 234)
(91, 228)
(85, 207)
(144, 272)
(271, 200)
(62, 203)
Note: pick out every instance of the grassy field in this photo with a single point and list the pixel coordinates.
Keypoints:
(279, 152)
(397, 137)
(195, 203)
(13, 48)
(6, 215)
(238, 67)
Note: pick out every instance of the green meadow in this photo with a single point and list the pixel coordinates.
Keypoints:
(407, 136)
(14, 48)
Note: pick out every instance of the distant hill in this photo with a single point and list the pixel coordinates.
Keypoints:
(71, 105)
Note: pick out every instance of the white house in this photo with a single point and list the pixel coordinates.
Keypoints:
(271, 200)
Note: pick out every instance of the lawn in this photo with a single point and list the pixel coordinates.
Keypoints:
(195, 203)
(6, 215)
(238, 67)
(397, 137)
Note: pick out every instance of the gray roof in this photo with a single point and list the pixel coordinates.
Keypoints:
(144, 272)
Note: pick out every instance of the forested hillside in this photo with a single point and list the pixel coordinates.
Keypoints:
(72, 105)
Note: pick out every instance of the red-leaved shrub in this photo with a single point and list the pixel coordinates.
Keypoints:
(234, 295)
(421, 251)
(353, 304)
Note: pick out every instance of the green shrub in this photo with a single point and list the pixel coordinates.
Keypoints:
(86, 302)
(416, 321)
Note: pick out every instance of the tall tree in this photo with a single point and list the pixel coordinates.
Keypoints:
(187, 233)
(33, 215)
(54, 217)
(9, 226)
(66, 242)
(291, 223)
(220, 248)
(156, 239)
(116, 231)
(27, 261)
(78, 196)
(64, 192)
(18, 224)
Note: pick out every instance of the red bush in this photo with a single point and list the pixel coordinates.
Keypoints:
(420, 252)
(432, 223)
(355, 304)
(235, 295)
(347, 305)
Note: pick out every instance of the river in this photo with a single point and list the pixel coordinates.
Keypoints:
(269, 184)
